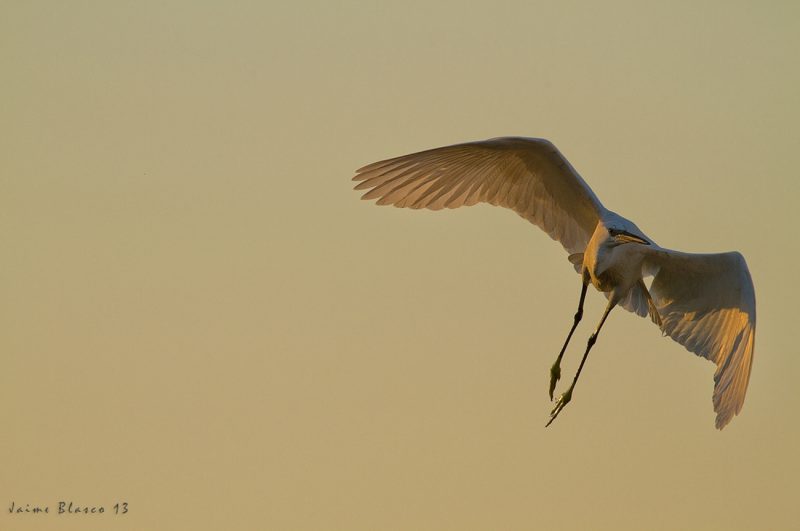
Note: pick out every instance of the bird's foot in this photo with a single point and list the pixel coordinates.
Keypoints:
(555, 376)
(562, 401)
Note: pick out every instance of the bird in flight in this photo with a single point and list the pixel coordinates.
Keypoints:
(705, 302)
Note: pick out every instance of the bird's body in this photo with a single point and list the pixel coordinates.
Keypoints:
(612, 268)
(706, 302)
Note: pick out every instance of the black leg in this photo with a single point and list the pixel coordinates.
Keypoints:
(555, 370)
(564, 399)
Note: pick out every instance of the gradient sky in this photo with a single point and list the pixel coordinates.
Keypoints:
(200, 318)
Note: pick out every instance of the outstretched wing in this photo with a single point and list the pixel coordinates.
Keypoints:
(527, 175)
(708, 305)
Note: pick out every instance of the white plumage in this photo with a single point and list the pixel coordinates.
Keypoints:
(705, 302)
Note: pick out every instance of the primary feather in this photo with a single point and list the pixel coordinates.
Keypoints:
(527, 175)
(707, 304)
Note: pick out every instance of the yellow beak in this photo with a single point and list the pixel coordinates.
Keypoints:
(626, 237)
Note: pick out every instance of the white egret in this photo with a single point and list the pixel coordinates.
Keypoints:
(705, 302)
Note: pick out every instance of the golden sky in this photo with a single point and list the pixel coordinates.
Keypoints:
(202, 320)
